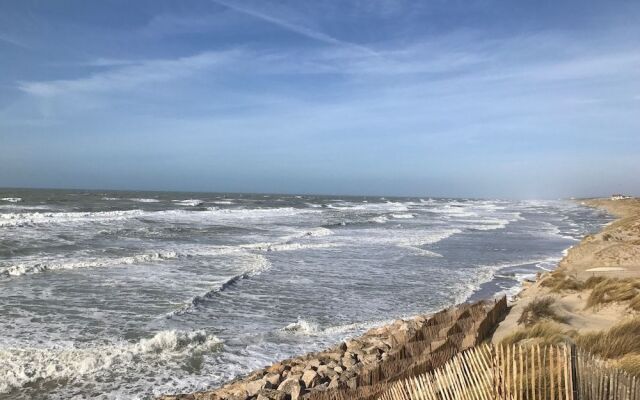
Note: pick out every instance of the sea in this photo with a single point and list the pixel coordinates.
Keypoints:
(129, 295)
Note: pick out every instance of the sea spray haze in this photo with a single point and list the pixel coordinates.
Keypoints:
(127, 295)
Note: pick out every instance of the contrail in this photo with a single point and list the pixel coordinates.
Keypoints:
(299, 29)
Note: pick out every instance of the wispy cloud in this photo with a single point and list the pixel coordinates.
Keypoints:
(12, 41)
(125, 75)
(294, 27)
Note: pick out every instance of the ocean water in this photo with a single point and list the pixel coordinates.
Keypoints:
(126, 295)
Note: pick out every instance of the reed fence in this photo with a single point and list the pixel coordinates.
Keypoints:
(440, 338)
(519, 373)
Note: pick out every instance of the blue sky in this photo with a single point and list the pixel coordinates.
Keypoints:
(440, 98)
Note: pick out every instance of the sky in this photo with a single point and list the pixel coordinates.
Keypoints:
(473, 98)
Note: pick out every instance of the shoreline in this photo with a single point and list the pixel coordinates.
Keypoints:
(308, 372)
(610, 255)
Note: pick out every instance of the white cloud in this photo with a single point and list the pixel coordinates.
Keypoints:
(129, 75)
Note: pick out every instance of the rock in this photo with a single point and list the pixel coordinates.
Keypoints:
(232, 392)
(297, 369)
(310, 378)
(292, 387)
(270, 394)
(334, 384)
(315, 364)
(276, 368)
(352, 383)
(322, 370)
(349, 360)
(338, 369)
(253, 387)
(271, 381)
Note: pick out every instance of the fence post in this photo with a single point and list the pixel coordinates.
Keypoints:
(575, 378)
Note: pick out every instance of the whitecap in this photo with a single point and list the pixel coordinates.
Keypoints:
(403, 216)
(189, 202)
(40, 266)
(35, 218)
(26, 365)
(302, 327)
(139, 200)
(12, 199)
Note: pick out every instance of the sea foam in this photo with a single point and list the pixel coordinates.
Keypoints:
(27, 365)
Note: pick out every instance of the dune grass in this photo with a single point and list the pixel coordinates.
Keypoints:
(543, 332)
(559, 281)
(615, 291)
(538, 310)
(629, 363)
(621, 340)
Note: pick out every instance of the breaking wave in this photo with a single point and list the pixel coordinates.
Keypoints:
(27, 365)
(25, 269)
(145, 200)
(403, 216)
(310, 328)
(211, 214)
(259, 265)
(36, 218)
(12, 199)
(189, 202)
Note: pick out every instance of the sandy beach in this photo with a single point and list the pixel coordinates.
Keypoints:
(595, 286)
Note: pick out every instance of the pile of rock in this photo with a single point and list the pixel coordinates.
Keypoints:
(334, 368)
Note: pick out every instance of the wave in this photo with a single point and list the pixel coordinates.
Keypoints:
(20, 269)
(25, 269)
(27, 365)
(287, 246)
(310, 328)
(111, 198)
(189, 202)
(139, 200)
(223, 202)
(320, 231)
(388, 206)
(260, 265)
(419, 238)
(485, 224)
(211, 214)
(12, 199)
(403, 216)
(35, 218)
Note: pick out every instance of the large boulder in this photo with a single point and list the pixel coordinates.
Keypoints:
(292, 387)
(253, 387)
(272, 380)
(310, 378)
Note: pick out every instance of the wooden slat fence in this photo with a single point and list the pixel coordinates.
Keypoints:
(443, 336)
(519, 373)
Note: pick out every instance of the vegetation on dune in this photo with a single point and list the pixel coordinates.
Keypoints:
(541, 333)
(558, 281)
(621, 344)
(621, 340)
(629, 363)
(615, 291)
(603, 290)
(538, 310)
